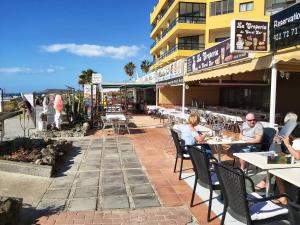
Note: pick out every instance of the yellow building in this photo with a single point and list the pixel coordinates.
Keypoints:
(183, 28)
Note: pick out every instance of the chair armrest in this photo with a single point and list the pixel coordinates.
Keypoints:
(268, 198)
(251, 182)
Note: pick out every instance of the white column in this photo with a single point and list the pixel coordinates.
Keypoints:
(156, 95)
(273, 93)
(183, 97)
(1, 100)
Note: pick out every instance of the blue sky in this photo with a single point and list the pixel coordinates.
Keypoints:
(47, 43)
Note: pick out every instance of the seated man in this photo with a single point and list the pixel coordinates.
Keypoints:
(251, 133)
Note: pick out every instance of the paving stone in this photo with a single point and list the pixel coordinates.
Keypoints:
(115, 202)
(111, 160)
(86, 167)
(89, 174)
(112, 181)
(62, 183)
(138, 180)
(113, 190)
(131, 165)
(86, 192)
(57, 194)
(130, 160)
(141, 189)
(134, 172)
(110, 155)
(128, 155)
(145, 201)
(53, 205)
(85, 182)
(82, 204)
(112, 173)
(109, 166)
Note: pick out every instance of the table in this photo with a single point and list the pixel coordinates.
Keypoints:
(115, 118)
(290, 175)
(259, 159)
(223, 141)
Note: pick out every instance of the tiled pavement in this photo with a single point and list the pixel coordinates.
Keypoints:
(90, 188)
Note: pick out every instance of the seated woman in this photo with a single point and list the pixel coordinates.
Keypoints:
(294, 150)
(190, 136)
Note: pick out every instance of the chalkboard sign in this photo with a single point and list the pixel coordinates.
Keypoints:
(249, 35)
(285, 28)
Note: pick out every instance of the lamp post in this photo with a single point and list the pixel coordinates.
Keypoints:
(1, 100)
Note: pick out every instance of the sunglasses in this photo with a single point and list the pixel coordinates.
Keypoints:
(251, 120)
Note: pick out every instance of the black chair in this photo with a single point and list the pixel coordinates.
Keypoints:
(267, 138)
(294, 213)
(204, 175)
(179, 152)
(247, 208)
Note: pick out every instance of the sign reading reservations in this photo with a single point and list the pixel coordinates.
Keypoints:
(285, 28)
(249, 36)
(214, 56)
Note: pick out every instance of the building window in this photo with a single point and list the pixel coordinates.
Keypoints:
(221, 7)
(193, 11)
(246, 6)
(220, 39)
(274, 6)
(189, 43)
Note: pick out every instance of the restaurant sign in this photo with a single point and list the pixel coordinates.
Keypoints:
(215, 56)
(249, 36)
(175, 81)
(170, 71)
(285, 28)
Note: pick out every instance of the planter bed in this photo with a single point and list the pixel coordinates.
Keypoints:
(35, 157)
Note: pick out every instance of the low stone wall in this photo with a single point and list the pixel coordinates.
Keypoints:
(26, 168)
(79, 131)
(41, 160)
(10, 210)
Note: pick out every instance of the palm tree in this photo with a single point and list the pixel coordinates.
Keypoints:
(129, 69)
(145, 66)
(86, 77)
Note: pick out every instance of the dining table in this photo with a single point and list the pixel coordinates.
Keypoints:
(260, 160)
(115, 118)
(291, 175)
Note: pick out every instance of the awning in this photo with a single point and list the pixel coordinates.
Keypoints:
(241, 67)
(288, 61)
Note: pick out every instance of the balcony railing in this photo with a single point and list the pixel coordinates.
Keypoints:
(181, 19)
(162, 13)
(182, 46)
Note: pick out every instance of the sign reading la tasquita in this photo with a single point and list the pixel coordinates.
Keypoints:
(249, 35)
(215, 56)
(285, 28)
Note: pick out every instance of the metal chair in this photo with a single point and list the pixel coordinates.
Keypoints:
(294, 213)
(123, 123)
(179, 152)
(204, 175)
(249, 208)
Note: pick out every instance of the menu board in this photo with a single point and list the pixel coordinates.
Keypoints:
(214, 56)
(249, 36)
(285, 28)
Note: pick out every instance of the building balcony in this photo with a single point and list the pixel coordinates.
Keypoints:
(159, 10)
(183, 20)
(180, 51)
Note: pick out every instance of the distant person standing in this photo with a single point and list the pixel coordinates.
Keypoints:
(58, 106)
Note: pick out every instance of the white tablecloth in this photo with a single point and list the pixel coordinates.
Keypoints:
(116, 117)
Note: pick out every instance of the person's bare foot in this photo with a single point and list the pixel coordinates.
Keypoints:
(261, 185)
(280, 201)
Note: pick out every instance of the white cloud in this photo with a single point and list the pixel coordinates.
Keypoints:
(16, 70)
(120, 52)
